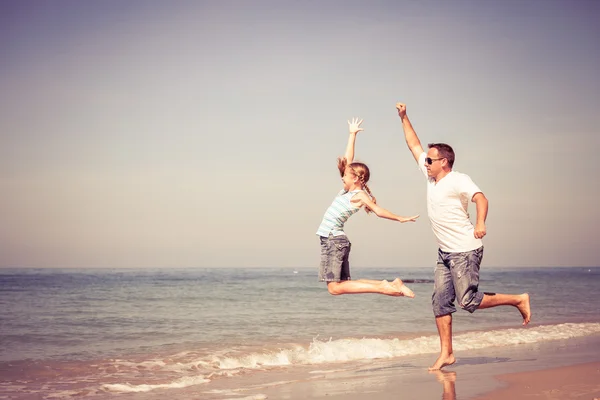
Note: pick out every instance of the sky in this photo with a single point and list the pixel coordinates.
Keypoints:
(205, 133)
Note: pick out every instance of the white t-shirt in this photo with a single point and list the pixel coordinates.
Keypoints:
(447, 207)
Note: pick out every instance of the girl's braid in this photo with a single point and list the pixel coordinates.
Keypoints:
(341, 164)
(366, 187)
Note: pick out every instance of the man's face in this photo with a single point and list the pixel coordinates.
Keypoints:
(437, 163)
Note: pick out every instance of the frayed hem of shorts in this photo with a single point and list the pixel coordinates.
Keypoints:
(471, 309)
(444, 314)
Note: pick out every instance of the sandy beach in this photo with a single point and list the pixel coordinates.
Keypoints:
(579, 381)
(562, 369)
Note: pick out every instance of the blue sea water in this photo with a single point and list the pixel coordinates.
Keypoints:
(101, 332)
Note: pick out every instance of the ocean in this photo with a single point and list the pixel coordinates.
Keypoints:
(203, 333)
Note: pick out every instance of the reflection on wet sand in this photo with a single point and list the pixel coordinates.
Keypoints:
(447, 379)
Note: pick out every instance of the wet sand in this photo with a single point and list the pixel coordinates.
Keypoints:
(562, 369)
(580, 381)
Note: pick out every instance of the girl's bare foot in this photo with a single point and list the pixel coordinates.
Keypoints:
(402, 288)
(389, 289)
(442, 361)
(525, 308)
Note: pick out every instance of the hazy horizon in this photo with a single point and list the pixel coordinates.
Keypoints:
(292, 269)
(205, 133)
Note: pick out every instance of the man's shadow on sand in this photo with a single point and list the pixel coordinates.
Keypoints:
(459, 362)
(483, 360)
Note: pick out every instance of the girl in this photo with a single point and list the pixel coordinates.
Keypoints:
(335, 246)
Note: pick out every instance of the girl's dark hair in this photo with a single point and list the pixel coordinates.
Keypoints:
(361, 171)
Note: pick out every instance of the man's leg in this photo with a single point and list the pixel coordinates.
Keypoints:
(444, 327)
(442, 302)
(520, 301)
(465, 272)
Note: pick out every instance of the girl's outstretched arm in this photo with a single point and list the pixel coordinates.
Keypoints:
(380, 211)
(354, 128)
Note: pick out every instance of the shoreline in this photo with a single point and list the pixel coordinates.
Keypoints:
(554, 369)
(566, 367)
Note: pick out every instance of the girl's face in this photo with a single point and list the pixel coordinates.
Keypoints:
(349, 178)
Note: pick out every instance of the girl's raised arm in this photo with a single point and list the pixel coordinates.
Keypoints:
(354, 128)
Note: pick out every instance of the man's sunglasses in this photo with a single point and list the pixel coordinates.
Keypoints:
(430, 160)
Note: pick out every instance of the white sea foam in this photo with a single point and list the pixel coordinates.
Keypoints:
(151, 364)
(234, 395)
(63, 394)
(179, 383)
(341, 350)
(352, 349)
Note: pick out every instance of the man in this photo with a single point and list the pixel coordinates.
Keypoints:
(460, 246)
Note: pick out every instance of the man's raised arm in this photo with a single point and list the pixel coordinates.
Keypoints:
(412, 140)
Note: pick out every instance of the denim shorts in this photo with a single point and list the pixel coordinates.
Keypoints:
(457, 277)
(334, 259)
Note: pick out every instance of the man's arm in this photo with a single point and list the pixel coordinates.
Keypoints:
(354, 128)
(412, 140)
(481, 203)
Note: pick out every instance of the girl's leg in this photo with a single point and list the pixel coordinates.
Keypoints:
(335, 265)
(396, 288)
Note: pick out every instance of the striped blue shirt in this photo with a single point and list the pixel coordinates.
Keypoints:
(337, 214)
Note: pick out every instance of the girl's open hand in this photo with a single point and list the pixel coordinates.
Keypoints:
(354, 125)
(409, 219)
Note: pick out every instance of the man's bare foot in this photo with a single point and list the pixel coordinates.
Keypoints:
(442, 361)
(525, 308)
(402, 288)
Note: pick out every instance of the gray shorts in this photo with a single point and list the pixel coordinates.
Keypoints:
(457, 277)
(334, 259)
